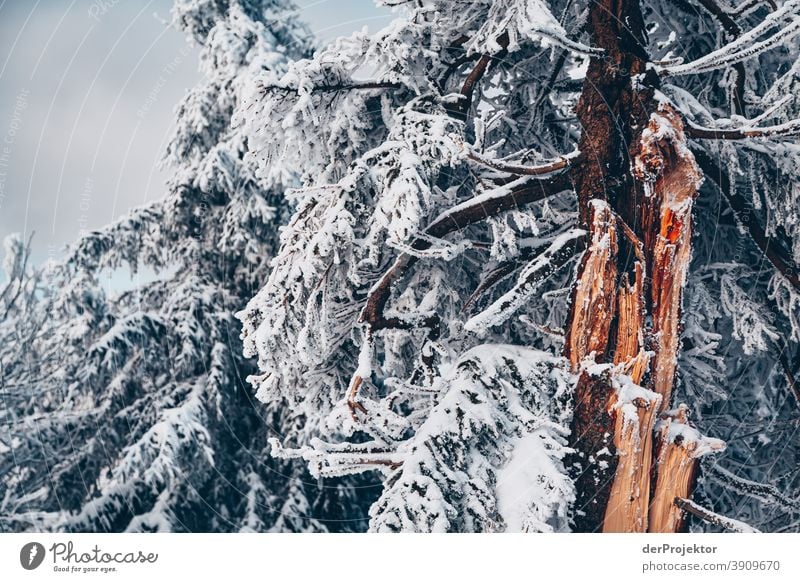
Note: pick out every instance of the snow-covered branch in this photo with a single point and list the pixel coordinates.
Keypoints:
(714, 518)
(327, 460)
(787, 129)
(264, 90)
(469, 212)
(558, 254)
(746, 46)
(768, 494)
(511, 168)
(750, 5)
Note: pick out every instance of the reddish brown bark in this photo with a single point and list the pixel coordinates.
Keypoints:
(595, 458)
(636, 177)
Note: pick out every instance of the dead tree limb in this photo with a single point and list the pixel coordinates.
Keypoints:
(713, 518)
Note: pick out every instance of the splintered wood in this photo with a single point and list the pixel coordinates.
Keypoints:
(635, 413)
(632, 318)
(679, 446)
(671, 178)
(629, 351)
(595, 291)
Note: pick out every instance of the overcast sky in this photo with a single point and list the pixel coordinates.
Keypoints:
(86, 101)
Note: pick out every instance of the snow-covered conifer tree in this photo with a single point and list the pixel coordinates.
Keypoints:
(130, 412)
(532, 239)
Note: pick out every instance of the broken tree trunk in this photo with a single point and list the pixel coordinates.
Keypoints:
(678, 449)
(635, 411)
(595, 291)
(638, 179)
(670, 178)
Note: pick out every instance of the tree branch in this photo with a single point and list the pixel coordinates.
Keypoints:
(460, 109)
(496, 275)
(788, 129)
(336, 87)
(481, 207)
(761, 491)
(554, 166)
(746, 6)
(744, 46)
(714, 518)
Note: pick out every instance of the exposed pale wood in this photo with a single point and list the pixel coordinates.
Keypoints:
(678, 449)
(630, 313)
(595, 292)
(636, 367)
(630, 492)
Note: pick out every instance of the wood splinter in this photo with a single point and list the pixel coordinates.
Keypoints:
(679, 446)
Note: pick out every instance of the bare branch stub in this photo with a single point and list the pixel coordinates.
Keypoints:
(788, 129)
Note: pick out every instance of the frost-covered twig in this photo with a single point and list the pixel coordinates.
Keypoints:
(327, 460)
(548, 168)
(740, 206)
(788, 129)
(332, 88)
(764, 492)
(744, 47)
(714, 518)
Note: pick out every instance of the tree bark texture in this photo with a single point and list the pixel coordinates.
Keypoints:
(636, 183)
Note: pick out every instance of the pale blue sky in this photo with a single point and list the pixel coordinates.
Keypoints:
(86, 100)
